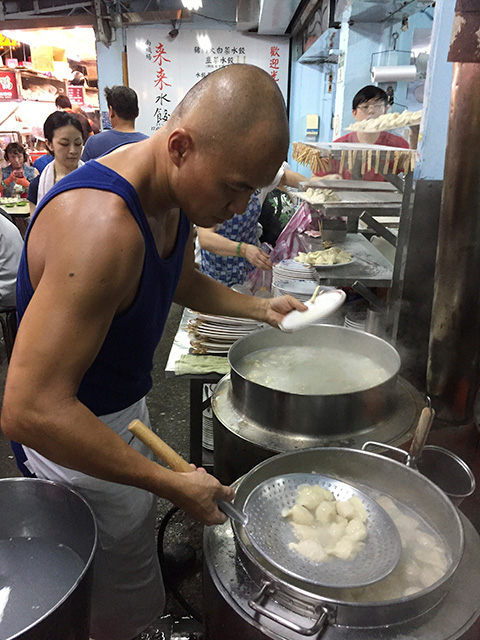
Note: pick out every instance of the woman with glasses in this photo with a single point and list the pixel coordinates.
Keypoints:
(368, 103)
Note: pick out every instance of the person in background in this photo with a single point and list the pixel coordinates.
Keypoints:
(368, 103)
(277, 210)
(109, 249)
(11, 246)
(122, 110)
(17, 175)
(231, 250)
(42, 161)
(62, 102)
(64, 138)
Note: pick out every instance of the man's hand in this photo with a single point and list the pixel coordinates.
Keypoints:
(197, 495)
(256, 256)
(277, 308)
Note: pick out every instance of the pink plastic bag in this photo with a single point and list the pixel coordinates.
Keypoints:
(289, 242)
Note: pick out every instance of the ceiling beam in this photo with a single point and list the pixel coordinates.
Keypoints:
(45, 23)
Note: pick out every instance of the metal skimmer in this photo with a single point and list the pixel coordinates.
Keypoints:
(270, 533)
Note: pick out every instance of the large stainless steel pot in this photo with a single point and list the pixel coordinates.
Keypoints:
(47, 588)
(240, 443)
(308, 414)
(228, 588)
(374, 474)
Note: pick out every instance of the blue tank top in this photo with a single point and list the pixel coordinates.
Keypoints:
(121, 372)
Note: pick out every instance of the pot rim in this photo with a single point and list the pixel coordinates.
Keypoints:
(367, 337)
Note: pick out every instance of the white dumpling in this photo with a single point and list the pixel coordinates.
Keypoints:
(305, 531)
(301, 515)
(433, 557)
(325, 512)
(337, 529)
(311, 549)
(361, 512)
(406, 524)
(429, 575)
(345, 509)
(411, 571)
(356, 530)
(310, 496)
(390, 507)
(345, 548)
(424, 539)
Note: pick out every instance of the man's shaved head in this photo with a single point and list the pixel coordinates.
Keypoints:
(232, 102)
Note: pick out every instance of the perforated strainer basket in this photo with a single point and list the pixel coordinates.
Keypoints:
(271, 533)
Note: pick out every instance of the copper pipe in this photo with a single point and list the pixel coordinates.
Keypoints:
(455, 330)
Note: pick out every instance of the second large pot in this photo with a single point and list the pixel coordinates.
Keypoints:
(306, 413)
(374, 474)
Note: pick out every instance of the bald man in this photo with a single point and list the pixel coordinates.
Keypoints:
(106, 254)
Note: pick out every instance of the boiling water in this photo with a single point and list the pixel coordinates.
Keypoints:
(311, 370)
(424, 559)
(35, 574)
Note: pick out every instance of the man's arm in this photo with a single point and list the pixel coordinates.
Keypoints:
(214, 242)
(202, 293)
(85, 269)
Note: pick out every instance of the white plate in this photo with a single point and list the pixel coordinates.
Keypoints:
(323, 306)
(338, 264)
(297, 286)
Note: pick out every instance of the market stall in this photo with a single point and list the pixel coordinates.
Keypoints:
(33, 75)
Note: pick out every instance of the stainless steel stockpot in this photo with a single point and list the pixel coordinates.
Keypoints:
(336, 413)
(373, 474)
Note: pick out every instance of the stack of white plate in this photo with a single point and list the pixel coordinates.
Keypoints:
(214, 335)
(207, 429)
(355, 322)
(291, 270)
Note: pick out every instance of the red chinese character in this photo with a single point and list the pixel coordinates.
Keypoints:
(274, 63)
(275, 51)
(274, 74)
(161, 79)
(160, 54)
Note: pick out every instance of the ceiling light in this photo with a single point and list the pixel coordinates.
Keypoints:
(192, 5)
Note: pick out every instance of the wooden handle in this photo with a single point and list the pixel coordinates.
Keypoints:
(158, 446)
(421, 432)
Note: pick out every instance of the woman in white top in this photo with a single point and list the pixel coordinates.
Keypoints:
(63, 137)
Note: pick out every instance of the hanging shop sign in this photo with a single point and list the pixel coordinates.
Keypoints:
(7, 42)
(42, 58)
(8, 86)
(76, 95)
(161, 69)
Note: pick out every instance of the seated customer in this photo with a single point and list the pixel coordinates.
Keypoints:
(368, 103)
(17, 175)
(230, 251)
(11, 246)
(63, 136)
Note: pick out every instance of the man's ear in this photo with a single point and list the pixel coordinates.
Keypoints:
(180, 144)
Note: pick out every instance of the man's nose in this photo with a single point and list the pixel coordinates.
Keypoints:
(239, 204)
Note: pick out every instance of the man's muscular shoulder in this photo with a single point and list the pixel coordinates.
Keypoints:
(90, 230)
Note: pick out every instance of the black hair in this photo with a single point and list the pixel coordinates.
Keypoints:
(123, 100)
(15, 147)
(370, 92)
(63, 102)
(59, 119)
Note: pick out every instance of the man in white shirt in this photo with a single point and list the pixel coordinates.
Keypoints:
(11, 245)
